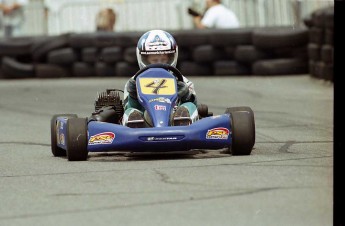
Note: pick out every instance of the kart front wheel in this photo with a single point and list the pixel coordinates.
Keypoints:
(77, 139)
(243, 108)
(55, 149)
(243, 132)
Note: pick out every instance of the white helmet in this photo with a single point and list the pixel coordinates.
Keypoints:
(155, 43)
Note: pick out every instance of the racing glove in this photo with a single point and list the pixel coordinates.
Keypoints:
(132, 89)
(184, 93)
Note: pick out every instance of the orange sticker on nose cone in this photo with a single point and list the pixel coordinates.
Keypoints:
(102, 138)
(217, 133)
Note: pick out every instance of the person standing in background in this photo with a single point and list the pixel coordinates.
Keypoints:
(105, 20)
(12, 16)
(216, 16)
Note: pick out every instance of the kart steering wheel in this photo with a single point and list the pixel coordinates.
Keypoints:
(177, 73)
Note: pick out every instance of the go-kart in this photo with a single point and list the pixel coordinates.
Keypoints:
(157, 93)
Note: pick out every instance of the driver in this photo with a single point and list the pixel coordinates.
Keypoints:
(158, 46)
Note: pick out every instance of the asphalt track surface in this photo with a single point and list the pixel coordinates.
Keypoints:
(287, 180)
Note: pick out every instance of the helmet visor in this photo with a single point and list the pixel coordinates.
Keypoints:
(148, 59)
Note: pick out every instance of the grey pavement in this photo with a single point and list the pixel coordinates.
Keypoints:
(287, 180)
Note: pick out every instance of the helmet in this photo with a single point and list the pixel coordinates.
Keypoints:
(154, 44)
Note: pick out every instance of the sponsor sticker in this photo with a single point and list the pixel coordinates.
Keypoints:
(160, 108)
(161, 100)
(162, 138)
(102, 138)
(219, 133)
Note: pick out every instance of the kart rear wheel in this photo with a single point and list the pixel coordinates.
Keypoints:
(55, 149)
(77, 139)
(243, 132)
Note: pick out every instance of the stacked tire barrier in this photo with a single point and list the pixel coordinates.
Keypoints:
(242, 51)
(321, 44)
(246, 51)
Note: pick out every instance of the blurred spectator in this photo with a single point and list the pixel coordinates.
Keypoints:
(216, 16)
(12, 16)
(105, 20)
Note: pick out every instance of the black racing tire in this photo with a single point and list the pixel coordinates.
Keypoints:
(243, 133)
(319, 70)
(82, 69)
(240, 108)
(41, 51)
(231, 37)
(329, 37)
(250, 54)
(298, 52)
(314, 52)
(111, 55)
(308, 21)
(82, 40)
(184, 54)
(327, 54)
(125, 69)
(316, 35)
(90, 55)
(312, 67)
(230, 110)
(104, 70)
(126, 39)
(230, 52)
(105, 39)
(193, 68)
(279, 37)
(231, 67)
(192, 38)
(57, 152)
(207, 54)
(328, 72)
(130, 55)
(63, 56)
(77, 139)
(280, 67)
(51, 71)
(12, 47)
(318, 17)
(323, 17)
(12, 68)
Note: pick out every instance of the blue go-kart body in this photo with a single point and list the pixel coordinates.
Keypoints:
(157, 93)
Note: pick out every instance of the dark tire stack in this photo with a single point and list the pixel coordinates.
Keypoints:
(243, 51)
(220, 52)
(96, 54)
(279, 51)
(321, 45)
(16, 57)
(229, 41)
